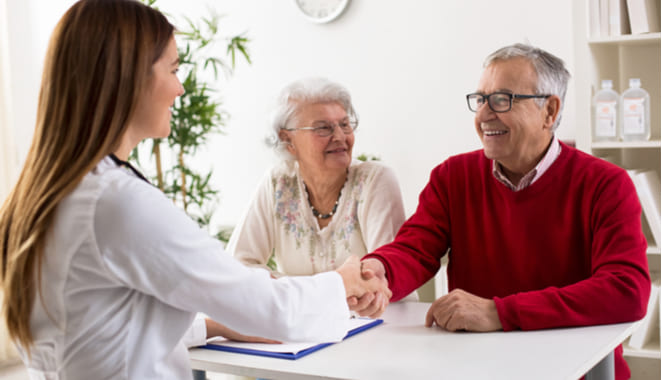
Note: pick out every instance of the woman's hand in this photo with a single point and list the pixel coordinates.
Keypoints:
(216, 329)
(360, 282)
(371, 304)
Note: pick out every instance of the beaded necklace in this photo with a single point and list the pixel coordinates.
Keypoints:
(318, 214)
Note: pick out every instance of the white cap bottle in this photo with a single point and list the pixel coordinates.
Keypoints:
(605, 113)
(635, 113)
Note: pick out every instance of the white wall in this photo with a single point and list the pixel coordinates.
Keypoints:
(26, 26)
(407, 64)
(8, 155)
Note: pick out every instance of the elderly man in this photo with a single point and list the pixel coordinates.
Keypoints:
(539, 234)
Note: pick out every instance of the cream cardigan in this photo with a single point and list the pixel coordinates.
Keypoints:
(279, 220)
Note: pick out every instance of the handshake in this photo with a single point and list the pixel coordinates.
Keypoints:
(366, 286)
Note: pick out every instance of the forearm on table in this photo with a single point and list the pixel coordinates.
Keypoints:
(597, 300)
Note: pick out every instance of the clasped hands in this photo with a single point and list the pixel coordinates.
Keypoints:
(366, 286)
(455, 311)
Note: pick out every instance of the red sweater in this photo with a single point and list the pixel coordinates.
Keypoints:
(566, 251)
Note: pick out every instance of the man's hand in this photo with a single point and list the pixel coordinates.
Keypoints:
(459, 310)
(371, 304)
(362, 282)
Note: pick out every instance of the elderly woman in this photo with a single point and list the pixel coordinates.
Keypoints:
(318, 206)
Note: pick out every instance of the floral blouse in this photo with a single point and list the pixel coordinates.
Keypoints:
(279, 221)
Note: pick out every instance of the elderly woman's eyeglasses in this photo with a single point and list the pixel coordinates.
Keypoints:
(498, 101)
(325, 129)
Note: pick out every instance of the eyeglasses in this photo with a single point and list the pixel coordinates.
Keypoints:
(498, 101)
(325, 129)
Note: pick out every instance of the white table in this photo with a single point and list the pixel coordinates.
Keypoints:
(403, 348)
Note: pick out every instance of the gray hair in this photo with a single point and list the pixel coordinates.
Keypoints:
(552, 74)
(298, 93)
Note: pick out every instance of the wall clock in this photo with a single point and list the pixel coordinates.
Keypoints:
(321, 11)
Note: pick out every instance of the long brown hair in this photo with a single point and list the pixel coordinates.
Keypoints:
(98, 64)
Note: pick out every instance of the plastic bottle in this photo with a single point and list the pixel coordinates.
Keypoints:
(605, 113)
(635, 113)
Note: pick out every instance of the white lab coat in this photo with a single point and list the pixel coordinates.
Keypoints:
(125, 271)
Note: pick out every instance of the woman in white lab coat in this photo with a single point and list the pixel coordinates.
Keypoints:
(101, 273)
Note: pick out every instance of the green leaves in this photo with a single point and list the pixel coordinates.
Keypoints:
(202, 40)
(367, 157)
(238, 43)
(195, 115)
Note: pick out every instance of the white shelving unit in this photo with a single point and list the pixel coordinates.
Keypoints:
(620, 58)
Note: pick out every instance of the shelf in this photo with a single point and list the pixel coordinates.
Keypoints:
(628, 39)
(625, 144)
(651, 350)
(620, 58)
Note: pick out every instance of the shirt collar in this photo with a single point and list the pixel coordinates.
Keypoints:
(529, 178)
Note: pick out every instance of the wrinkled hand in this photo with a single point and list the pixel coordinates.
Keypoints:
(216, 329)
(459, 310)
(371, 304)
(360, 282)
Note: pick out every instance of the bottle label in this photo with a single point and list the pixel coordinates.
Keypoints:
(605, 116)
(633, 116)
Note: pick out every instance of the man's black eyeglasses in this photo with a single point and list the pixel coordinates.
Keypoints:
(498, 101)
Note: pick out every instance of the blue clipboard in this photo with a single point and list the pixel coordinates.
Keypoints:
(290, 355)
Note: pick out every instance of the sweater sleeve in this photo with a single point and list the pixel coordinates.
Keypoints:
(619, 285)
(421, 242)
(381, 212)
(252, 240)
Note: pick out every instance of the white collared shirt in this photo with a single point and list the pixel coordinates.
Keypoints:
(529, 178)
(125, 271)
